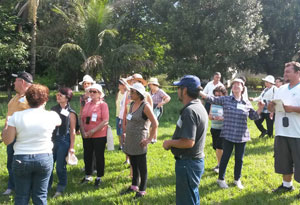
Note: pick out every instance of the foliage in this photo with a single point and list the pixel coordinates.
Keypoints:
(206, 36)
(13, 48)
(280, 22)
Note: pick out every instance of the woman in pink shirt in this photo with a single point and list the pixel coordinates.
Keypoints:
(94, 121)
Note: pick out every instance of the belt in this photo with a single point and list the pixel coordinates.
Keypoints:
(186, 158)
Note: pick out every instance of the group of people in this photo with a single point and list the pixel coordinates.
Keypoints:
(38, 138)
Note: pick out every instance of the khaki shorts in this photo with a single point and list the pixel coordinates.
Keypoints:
(287, 156)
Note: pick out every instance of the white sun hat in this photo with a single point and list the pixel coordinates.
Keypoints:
(87, 78)
(238, 80)
(97, 87)
(269, 79)
(139, 88)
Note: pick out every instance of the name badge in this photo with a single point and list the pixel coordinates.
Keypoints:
(241, 106)
(65, 112)
(129, 116)
(179, 122)
(89, 99)
(94, 117)
(22, 99)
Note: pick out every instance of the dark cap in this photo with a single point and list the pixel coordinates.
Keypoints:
(190, 81)
(24, 75)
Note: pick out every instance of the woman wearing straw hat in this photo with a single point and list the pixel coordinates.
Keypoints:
(94, 121)
(266, 96)
(139, 118)
(139, 78)
(159, 98)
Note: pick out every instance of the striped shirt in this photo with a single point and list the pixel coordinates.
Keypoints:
(235, 117)
(158, 96)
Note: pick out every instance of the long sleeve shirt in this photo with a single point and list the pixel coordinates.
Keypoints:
(235, 115)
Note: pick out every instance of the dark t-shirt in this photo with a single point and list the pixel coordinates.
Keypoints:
(192, 124)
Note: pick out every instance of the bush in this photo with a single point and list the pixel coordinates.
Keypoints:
(254, 83)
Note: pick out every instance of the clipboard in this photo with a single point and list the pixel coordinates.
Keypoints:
(278, 105)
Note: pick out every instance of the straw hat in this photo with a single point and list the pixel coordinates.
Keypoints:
(139, 78)
(153, 81)
(87, 78)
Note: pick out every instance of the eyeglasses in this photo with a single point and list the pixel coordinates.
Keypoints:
(93, 91)
(60, 95)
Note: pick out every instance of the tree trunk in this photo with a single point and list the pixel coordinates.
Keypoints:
(33, 50)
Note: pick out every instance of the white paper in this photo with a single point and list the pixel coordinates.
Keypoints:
(278, 105)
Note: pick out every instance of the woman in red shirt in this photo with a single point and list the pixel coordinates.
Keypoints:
(94, 121)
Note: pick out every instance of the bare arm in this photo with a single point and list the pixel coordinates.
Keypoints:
(290, 108)
(164, 101)
(9, 135)
(72, 132)
(149, 100)
(181, 143)
(154, 123)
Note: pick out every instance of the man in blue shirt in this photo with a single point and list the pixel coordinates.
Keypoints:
(187, 144)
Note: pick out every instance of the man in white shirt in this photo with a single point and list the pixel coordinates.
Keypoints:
(210, 86)
(287, 128)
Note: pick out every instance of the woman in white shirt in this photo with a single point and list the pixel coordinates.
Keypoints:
(266, 96)
(33, 160)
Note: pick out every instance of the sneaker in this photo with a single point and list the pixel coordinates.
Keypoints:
(216, 169)
(263, 134)
(127, 191)
(138, 195)
(282, 188)
(86, 180)
(120, 148)
(222, 184)
(153, 141)
(238, 183)
(7, 192)
(126, 162)
(97, 182)
(57, 194)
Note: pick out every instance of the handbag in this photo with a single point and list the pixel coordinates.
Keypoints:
(110, 139)
(71, 159)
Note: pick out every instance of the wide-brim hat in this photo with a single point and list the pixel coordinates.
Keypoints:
(139, 78)
(139, 88)
(97, 87)
(153, 81)
(269, 79)
(87, 78)
(238, 80)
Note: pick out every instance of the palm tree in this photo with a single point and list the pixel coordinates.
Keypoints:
(28, 12)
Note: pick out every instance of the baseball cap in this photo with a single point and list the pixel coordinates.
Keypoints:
(190, 81)
(24, 75)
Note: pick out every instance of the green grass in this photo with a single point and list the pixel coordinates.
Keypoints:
(257, 175)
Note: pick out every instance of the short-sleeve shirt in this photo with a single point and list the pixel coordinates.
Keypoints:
(34, 128)
(96, 112)
(209, 88)
(235, 115)
(289, 96)
(158, 96)
(17, 103)
(192, 124)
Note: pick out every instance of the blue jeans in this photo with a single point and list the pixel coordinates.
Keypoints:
(10, 156)
(60, 151)
(119, 126)
(188, 175)
(239, 155)
(32, 173)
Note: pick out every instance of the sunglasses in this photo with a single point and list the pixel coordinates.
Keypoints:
(93, 91)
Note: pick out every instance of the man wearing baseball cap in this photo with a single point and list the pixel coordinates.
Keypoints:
(187, 143)
(17, 103)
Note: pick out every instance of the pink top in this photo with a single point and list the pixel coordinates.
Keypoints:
(96, 112)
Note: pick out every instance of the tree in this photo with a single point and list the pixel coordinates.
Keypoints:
(13, 48)
(207, 36)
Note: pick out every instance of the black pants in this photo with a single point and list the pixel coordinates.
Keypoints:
(270, 123)
(97, 146)
(139, 170)
(207, 107)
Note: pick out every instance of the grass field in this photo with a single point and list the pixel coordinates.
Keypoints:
(258, 174)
